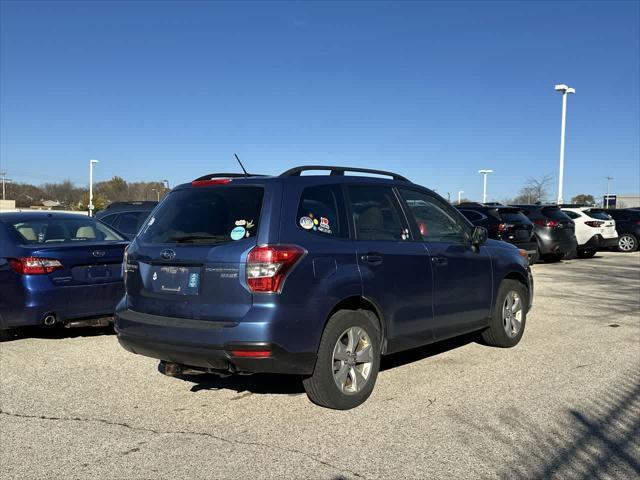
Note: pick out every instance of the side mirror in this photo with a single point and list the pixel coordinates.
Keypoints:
(479, 236)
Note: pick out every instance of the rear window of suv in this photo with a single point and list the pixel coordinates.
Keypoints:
(205, 215)
(598, 214)
(554, 213)
(513, 215)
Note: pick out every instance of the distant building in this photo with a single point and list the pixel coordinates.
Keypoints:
(7, 204)
(621, 201)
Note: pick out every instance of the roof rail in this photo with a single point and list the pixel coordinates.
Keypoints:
(469, 204)
(211, 176)
(296, 171)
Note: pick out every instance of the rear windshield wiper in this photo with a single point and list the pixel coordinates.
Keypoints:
(196, 238)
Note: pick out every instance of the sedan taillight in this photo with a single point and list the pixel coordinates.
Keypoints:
(35, 265)
(268, 266)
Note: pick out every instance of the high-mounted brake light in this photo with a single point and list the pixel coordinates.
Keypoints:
(206, 183)
(268, 266)
(594, 224)
(34, 265)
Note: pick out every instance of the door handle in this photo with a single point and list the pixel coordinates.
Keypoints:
(372, 258)
(440, 261)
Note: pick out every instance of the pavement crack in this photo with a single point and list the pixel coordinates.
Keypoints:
(183, 432)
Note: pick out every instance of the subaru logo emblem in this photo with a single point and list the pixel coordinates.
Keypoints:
(167, 254)
(98, 253)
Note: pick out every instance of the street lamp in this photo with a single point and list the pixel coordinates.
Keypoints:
(166, 184)
(460, 192)
(566, 90)
(4, 180)
(484, 173)
(91, 164)
(606, 201)
(157, 193)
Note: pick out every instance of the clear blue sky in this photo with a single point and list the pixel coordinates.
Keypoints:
(435, 91)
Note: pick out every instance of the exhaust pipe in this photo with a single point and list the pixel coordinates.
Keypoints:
(49, 319)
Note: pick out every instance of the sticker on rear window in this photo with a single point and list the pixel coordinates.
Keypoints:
(238, 232)
(306, 223)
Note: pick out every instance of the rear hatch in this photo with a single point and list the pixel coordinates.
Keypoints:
(559, 223)
(188, 259)
(607, 226)
(514, 226)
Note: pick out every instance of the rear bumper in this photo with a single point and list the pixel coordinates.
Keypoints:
(28, 305)
(557, 246)
(530, 247)
(598, 242)
(207, 345)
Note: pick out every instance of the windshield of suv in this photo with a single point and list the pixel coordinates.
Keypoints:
(63, 230)
(205, 215)
(598, 214)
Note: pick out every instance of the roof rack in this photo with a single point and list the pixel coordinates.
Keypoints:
(296, 171)
(211, 176)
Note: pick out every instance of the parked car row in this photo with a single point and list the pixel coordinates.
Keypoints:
(552, 232)
(314, 275)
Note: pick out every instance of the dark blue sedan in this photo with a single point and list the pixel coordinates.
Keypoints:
(57, 268)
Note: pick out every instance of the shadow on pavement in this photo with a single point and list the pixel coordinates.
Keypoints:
(600, 439)
(58, 332)
(262, 383)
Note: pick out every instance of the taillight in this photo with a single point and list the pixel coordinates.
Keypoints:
(268, 266)
(594, 224)
(504, 227)
(206, 183)
(34, 265)
(544, 222)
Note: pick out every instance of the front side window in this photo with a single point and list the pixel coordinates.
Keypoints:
(436, 222)
(318, 211)
(205, 215)
(63, 230)
(377, 214)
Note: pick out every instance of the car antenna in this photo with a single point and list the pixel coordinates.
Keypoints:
(241, 166)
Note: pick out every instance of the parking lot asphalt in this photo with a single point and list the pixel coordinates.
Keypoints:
(565, 403)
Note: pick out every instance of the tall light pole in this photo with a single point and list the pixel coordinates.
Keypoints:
(157, 193)
(4, 180)
(460, 192)
(91, 164)
(606, 201)
(484, 173)
(166, 184)
(566, 90)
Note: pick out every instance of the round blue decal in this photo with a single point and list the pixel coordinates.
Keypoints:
(238, 233)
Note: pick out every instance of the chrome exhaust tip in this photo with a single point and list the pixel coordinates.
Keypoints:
(49, 319)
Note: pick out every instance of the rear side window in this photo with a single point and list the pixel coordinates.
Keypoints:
(109, 219)
(377, 214)
(62, 230)
(319, 211)
(205, 215)
(572, 215)
(598, 214)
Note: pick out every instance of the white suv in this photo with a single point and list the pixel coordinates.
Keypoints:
(595, 230)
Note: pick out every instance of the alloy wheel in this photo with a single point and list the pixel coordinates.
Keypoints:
(626, 243)
(512, 310)
(352, 360)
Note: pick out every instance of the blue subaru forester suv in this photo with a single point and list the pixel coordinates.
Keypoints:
(316, 275)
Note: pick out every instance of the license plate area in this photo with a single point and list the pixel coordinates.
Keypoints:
(175, 280)
(98, 272)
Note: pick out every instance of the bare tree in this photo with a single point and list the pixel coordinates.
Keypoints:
(534, 190)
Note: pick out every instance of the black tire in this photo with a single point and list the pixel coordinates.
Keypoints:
(535, 258)
(630, 245)
(321, 387)
(586, 253)
(496, 335)
(6, 335)
(553, 257)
